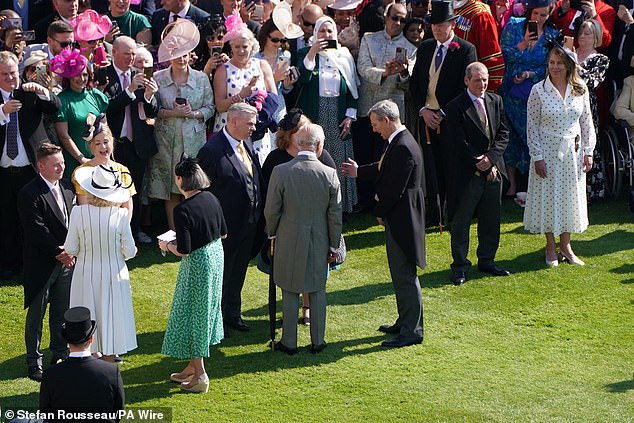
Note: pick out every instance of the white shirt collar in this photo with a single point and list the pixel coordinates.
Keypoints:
(446, 43)
(307, 153)
(234, 142)
(182, 13)
(50, 185)
(473, 97)
(395, 133)
(119, 71)
(80, 354)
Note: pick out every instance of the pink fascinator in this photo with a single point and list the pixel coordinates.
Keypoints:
(235, 28)
(178, 38)
(68, 63)
(90, 25)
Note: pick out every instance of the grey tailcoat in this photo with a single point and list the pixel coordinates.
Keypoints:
(303, 211)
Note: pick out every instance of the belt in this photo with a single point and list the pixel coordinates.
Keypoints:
(124, 140)
(15, 169)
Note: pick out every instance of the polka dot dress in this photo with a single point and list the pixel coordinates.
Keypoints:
(557, 203)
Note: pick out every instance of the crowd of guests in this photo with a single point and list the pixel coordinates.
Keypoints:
(279, 120)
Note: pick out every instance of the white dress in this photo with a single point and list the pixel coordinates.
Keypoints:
(560, 132)
(101, 239)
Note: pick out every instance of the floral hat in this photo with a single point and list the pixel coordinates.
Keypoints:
(68, 63)
(236, 28)
(178, 39)
(90, 25)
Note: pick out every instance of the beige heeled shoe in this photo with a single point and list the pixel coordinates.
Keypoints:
(572, 259)
(201, 385)
(180, 378)
(552, 263)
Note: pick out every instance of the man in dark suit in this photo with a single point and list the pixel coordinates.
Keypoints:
(236, 180)
(400, 207)
(44, 205)
(64, 10)
(21, 133)
(437, 79)
(129, 95)
(479, 136)
(172, 10)
(82, 383)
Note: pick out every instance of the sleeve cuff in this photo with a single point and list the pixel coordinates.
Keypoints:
(130, 93)
(46, 96)
(351, 112)
(309, 64)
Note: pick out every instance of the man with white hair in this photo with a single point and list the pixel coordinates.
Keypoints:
(303, 214)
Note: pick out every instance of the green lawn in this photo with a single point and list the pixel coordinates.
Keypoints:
(541, 345)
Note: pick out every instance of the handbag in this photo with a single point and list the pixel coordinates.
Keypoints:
(522, 90)
(342, 252)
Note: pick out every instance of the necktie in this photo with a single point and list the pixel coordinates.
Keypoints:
(245, 158)
(128, 116)
(175, 17)
(12, 135)
(481, 111)
(439, 56)
(60, 202)
(21, 3)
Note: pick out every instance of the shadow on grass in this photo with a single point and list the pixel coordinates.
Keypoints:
(15, 367)
(620, 387)
(21, 401)
(625, 269)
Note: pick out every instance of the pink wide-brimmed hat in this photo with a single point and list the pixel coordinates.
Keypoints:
(178, 38)
(90, 25)
(68, 63)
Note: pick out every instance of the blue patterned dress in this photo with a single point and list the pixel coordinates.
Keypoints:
(516, 61)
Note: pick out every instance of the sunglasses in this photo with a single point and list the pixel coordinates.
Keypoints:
(92, 42)
(212, 38)
(306, 23)
(31, 68)
(398, 19)
(277, 40)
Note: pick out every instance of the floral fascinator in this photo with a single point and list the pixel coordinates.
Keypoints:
(94, 126)
(235, 28)
(68, 63)
(178, 39)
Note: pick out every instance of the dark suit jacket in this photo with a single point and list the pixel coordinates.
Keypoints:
(229, 183)
(469, 139)
(451, 78)
(399, 187)
(143, 134)
(41, 26)
(161, 17)
(38, 10)
(44, 231)
(29, 120)
(82, 384)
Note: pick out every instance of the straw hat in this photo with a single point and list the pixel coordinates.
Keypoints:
(103, 182)
(34, 57)
(178, 38)
(283, 19)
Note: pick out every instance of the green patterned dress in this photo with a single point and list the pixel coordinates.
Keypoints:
(195, 320)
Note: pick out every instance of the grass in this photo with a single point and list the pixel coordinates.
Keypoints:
(541, 345)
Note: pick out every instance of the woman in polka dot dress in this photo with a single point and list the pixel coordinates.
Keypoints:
(561, 139)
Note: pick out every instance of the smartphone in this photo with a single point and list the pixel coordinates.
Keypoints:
(283, 61)
(114, 26)
(29, 35)
(576, 4)
(216, 50)
(11, 23)
(101, 78)
(569, 42)
(148, 72)
(258, 12)
(41, 71)
(180, 100)
(401, 55)
(294, 72)
(331, 44)
(532, 30)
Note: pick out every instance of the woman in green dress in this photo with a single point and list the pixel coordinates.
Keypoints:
(195, 320)
(77, 101)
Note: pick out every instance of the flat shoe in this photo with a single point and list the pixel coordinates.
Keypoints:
(176, 377)
(393, 329)
(278, 346)
(201, 385)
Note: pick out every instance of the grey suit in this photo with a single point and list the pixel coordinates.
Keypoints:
(303, 211)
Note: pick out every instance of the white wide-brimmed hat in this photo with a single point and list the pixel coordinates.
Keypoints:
(103, 182)
(283, 19)
(345, 4)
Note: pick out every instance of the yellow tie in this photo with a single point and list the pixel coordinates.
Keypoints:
(245, 158)
(21, 3)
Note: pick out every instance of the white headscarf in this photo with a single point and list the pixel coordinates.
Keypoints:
(341, 57)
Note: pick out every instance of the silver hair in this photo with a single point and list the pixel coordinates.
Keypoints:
(385, 109)
(7, 56)
(475, 66)
(241, 108)
(310, 136)
(145, 53)
(250, 38)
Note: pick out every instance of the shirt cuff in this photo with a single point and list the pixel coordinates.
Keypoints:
(351, 112)
(587, 151)
(309, 64)
(129, 93)
(46, 96)
(148, 100)
(4, 119)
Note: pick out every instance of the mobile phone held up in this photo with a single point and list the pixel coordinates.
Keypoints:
(401, 55)
(216, 50)
(148, 72)
(331, 44)
(180, 100)
(532, 30)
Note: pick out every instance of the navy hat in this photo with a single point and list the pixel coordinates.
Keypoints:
(536, 4)
(441, 11)
(77, 327)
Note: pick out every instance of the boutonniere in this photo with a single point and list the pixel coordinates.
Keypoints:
(453, 46)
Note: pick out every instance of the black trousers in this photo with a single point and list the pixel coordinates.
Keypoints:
(235, 270)
(12, 179)
(435, 154)
(126, 155)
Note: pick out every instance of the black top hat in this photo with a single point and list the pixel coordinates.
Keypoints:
(441, 11)
(77, 328)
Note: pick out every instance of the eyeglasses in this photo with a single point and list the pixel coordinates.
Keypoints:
(212, 38)
(306, 23)
(277, 40)
(398, 19)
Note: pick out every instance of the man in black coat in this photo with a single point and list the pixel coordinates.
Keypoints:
(437, 79)
(398, 179)
(21, 133)
(82, 383)
(236, 179)
(44, 205)
(479, 136)
(134, 141)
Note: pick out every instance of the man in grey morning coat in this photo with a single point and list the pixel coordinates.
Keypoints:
(303, 213)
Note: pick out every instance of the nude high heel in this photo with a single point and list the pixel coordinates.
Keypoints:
(201, 385)
(572, 259)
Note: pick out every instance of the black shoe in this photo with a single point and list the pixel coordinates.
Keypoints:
(401, 341)
(458, 277)
(35, 373)
(389, 329)
(238, 324)
(278, 346)
(316, 349)
(494, 270)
